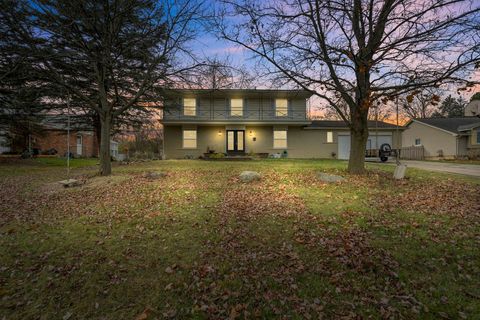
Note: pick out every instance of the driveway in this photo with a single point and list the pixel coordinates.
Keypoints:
(466, 169)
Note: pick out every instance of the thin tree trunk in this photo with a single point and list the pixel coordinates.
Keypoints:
(105, 159)
(97, 126)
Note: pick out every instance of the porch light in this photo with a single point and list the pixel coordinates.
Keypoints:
(251, 133)
(219, 132)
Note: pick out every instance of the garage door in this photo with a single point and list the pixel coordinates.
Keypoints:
(344, 144)
(343, 147)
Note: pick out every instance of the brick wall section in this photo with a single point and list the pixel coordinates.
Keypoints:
(58, 140)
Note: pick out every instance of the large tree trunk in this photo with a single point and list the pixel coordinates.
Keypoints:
(105, 159)
(359, 118)
(358, 141)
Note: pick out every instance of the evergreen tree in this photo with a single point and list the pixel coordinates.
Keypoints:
(111, 56)
(451, 108)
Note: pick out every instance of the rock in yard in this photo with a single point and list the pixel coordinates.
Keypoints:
(325, 177)
(400, 171)
(154, 175)
(249, 176)
(70, 183)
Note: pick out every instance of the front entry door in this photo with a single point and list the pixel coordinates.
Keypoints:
(235, 141)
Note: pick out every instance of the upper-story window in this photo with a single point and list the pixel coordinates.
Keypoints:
(236, 107)
(281, 107)
(189, 106)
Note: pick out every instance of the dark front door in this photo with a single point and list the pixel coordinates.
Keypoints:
(235, 141)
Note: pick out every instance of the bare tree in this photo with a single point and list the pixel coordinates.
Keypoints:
(420, 104)
(358, 51)
(114, 56)
(220, 73)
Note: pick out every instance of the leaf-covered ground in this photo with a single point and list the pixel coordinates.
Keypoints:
(200, 244)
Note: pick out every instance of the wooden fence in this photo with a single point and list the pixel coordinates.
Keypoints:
(412, 153)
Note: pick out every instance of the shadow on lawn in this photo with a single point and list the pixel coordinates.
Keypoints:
(197, 243)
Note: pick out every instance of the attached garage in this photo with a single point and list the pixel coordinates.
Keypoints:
(344, 143)
(331, 138)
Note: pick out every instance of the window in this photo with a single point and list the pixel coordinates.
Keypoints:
(79, 144)
(190, 139)
(279, 139)
(418, 142)
(478, 136)
(281, 107)
(189, 106)
(236, 107)
(79, 139)
(329, 137)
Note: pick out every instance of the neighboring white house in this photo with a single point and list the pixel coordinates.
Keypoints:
(444, 137)
(473, 108)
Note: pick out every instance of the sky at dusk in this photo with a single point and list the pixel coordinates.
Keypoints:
(207, 45)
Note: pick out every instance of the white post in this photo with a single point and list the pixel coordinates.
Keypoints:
(398, 136)
(68, 137)
(30, 154)
(376, 132)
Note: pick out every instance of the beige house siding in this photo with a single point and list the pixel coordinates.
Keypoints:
(301, 143)
(432, 139)
(218, 108)
(209, 137)
(472, 139)
(462, 149)
(473, 148)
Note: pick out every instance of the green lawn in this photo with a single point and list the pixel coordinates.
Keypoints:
(200, 244)
(62, 162)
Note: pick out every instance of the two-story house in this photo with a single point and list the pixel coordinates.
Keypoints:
(238, 122)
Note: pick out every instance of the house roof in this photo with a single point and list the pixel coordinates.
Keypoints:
(469, 126)
(342, 124)
(297, 93)
(61, 121)
(451, 125)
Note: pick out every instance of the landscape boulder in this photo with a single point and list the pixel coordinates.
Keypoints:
(70, 183)
(249, 176)
(326, 177)
(152, 175)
